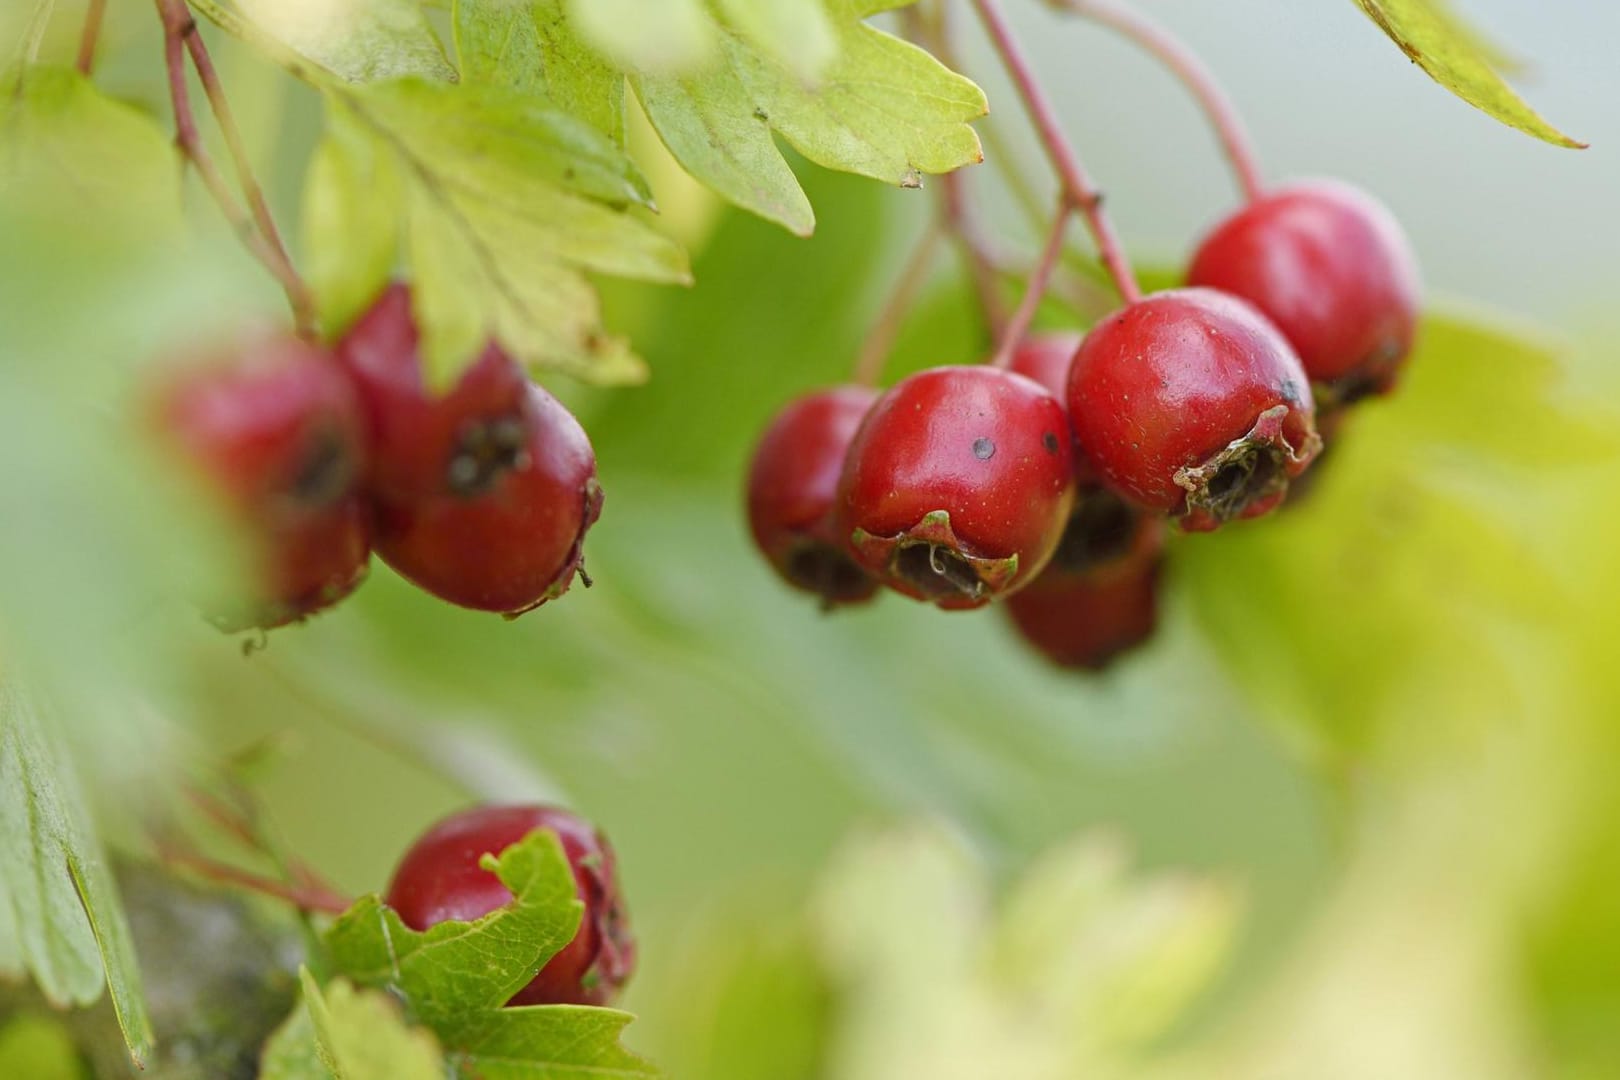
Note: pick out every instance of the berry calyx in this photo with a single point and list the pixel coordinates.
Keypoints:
(792, 486)
(274, 429)
(1084, 622)
(1104, 533)
(957, 485)
(1331, 267)
(1189, 402)
(515, 544)
(425, 443)
(439, 879)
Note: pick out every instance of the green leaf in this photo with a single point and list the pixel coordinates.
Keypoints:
(535, 49)
(667, 36)
(1454, 55)
(68, 150)
(62, 905)
(357, 40)
(291, 1052)
(883, 109)
(457, 976)
(550, 1042)
(448, 975)
(709, 126)
(498, 203)
(351, 222)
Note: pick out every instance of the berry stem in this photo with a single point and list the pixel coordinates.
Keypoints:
(90, 36)
(305, 898)
(243, 826)
(902, 298)
(1077, 185)
(1040, 279)
(1194, 74)
(178, 29)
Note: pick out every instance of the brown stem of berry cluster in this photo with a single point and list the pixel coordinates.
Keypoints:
(1182, 62)
(91, 34)
(254, 225)
(1039, 280)
(902, 298)
(1077, 185)
(303, 897)
(243, 827)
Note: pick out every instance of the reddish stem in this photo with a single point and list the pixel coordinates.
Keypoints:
(90, 36)
(208, 75)
(305, 898)
(240, 825)
(1194, 74)
(1039, 279)
(880, 339)
(178, 28)
(1077, 185)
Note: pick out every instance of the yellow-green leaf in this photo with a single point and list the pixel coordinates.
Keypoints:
(1455, 56)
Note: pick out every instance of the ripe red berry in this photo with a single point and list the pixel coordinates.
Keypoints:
(792, 486)
(439, 879)
(274, 428)
(1046, 357)
(1331, 267)
(424, 443)
(958, 484)
(511, 545)
(1085, 622)
(1190, 403)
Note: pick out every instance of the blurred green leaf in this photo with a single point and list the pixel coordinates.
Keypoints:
(798, 34)
(360, 1035)
(68, 151)
(1438, 41)
(667, 36)
(535, 49)
(39, 1048)
(352, 204)
(65, 918)
(357, 40)
(1400, 570)
(291, 1052)
(1071, 977)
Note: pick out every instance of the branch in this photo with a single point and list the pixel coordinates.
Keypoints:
(90, 35)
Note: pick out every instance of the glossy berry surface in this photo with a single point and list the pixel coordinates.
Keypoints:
(518, 543)
(1086, 622)
(1190, 403)
(423, 443)
(439, 879)
(958, 484)
(792, 485)
(274, 428)
(1332, 268)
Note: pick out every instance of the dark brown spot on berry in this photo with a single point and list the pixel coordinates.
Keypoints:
(326, 473)
(984, 449)
(485, 451)
(1050, 441)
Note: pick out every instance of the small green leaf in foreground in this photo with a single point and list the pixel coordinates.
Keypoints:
(1454, 55)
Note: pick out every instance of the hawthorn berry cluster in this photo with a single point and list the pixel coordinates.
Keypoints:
(480, 494)
(1048, 481)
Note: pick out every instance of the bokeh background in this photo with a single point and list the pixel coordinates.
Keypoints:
(1349, 815)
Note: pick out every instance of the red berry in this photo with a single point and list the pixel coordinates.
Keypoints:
(1190, 403)
(1331, 267)
(510, 546)
(439, 879)
(1046, 358)
(275, 429)
(958, 484)
(424, 443)
(1086, 621)
(792, 486)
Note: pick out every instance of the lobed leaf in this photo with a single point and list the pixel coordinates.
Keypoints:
(1456, 57)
